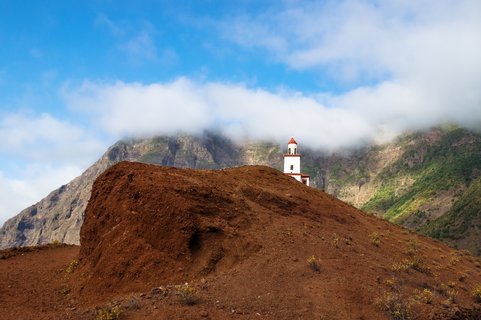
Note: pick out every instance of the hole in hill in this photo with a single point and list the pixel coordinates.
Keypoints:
(195, 243)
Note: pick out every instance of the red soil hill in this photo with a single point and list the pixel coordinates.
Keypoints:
(241, 237)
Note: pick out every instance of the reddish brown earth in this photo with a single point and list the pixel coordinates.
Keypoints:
(240, 238)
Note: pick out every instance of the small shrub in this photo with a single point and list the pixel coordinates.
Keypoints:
(418, 264)
(375, 239)
(394, 305)
(186, 293)
(391, 283)
(56, 243)
(64, 290)
(452, 296)
(412, 247)
(111, 312)
(348, 241)
(454, 260)
(477, 293)
(335, 241)
(425, 296)
(71, 266)
(314, 263)
(401, 266)
(415, 263)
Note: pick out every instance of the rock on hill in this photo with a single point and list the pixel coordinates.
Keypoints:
(417, 180)
(243, 239)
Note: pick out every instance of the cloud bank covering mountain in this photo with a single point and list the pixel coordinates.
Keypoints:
(334, 74)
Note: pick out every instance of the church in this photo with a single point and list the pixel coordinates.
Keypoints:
(292, 163)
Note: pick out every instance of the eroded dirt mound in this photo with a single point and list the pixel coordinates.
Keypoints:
(146, 223)
(242, 238)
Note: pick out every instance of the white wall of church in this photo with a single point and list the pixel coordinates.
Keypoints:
(292, 164)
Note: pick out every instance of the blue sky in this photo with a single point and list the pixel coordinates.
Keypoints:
(76, 76)
(46, 43)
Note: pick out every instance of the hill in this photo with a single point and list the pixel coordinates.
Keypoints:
(250, 242)
(414, 180)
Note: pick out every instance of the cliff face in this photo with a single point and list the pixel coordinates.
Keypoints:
(414, 181)
(57, 217)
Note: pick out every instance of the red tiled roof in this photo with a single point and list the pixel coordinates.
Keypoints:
(292, 141)
(297, 174)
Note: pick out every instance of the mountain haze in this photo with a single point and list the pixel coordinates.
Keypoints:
(422, 180)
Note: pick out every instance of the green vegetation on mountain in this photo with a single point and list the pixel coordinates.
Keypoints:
(462, 222)
(425, 171)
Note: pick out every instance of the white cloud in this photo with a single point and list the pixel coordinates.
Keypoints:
(432, 44)
(34, 183)
(328, 122)
(135, 109)
(187, 106)
(34, 137)
(409, 64)
(38, 153)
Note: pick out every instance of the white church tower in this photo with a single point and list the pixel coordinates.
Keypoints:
(292, 163)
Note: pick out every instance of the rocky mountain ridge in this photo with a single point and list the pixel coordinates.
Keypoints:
(417, 180)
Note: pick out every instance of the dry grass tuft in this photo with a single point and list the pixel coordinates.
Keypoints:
(314, 263)
(375, 239)
(110, 312)
(186, 293)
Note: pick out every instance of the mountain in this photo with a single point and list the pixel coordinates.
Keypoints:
(59, 216)
(421, 180)
(418, 180)
(240, 243)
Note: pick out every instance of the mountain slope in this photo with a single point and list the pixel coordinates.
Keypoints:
(462, 224)
(160, 242)
(413, 181)
(248, 232)
(433, 169)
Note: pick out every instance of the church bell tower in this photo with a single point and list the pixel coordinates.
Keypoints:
(292, 163)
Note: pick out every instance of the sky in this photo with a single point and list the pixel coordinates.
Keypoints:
(76, 76)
